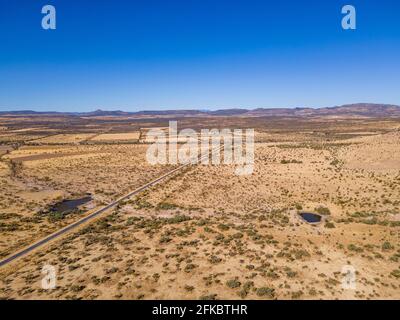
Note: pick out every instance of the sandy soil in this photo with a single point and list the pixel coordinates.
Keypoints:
(49, 175)
(207, 233)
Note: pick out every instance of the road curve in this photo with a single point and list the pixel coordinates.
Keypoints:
(91, 216)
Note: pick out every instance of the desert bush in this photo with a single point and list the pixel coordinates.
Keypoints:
(353, 247)
(298, 206)
(297, 294)
(387, 246)
(189, 267)
(246, 289)
(323, 210)
(266, 292)
(214, 259)
(77, 288)
(396, 273)
(290, 273)
(166, 206)
(329, 225)
(284, 161)
(234, 283)
(223, 227)
(178, 219)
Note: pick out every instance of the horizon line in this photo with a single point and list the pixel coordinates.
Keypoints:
(205, 110)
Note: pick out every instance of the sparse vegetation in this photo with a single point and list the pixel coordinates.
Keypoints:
(205, 232)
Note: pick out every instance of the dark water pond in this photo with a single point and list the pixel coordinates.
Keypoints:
(67, 206)
(310, 217)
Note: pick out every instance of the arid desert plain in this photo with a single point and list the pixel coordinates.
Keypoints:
(203, 232)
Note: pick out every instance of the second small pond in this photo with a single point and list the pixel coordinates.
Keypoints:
(310, 217)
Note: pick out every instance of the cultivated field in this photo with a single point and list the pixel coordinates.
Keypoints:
(205, 233)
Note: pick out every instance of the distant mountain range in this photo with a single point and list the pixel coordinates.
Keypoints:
(350, 110)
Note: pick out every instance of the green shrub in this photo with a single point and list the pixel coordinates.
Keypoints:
(214, 259)
(387, 246)
(166, 206)
(189, 288)
(298, 206)
(353, 247)
(223, 227)
(396, 273)
(329, 225)
(284, 161)
(323, 210)
(234, 283)
(266, 292)
(246, 289)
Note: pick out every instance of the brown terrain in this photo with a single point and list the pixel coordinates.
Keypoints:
(204, 233)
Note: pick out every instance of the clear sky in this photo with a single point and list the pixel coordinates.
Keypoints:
(203, 54)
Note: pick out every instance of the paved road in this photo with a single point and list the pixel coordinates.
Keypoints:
(90, 217)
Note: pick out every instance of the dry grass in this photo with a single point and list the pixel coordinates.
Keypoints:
(207, 233)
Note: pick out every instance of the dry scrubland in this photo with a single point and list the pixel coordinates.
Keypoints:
(207, 233)
(48, 174)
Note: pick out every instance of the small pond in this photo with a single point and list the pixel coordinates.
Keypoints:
(67, 206)
(310, 217)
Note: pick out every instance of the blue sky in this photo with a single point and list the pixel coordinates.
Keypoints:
(146, 55)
